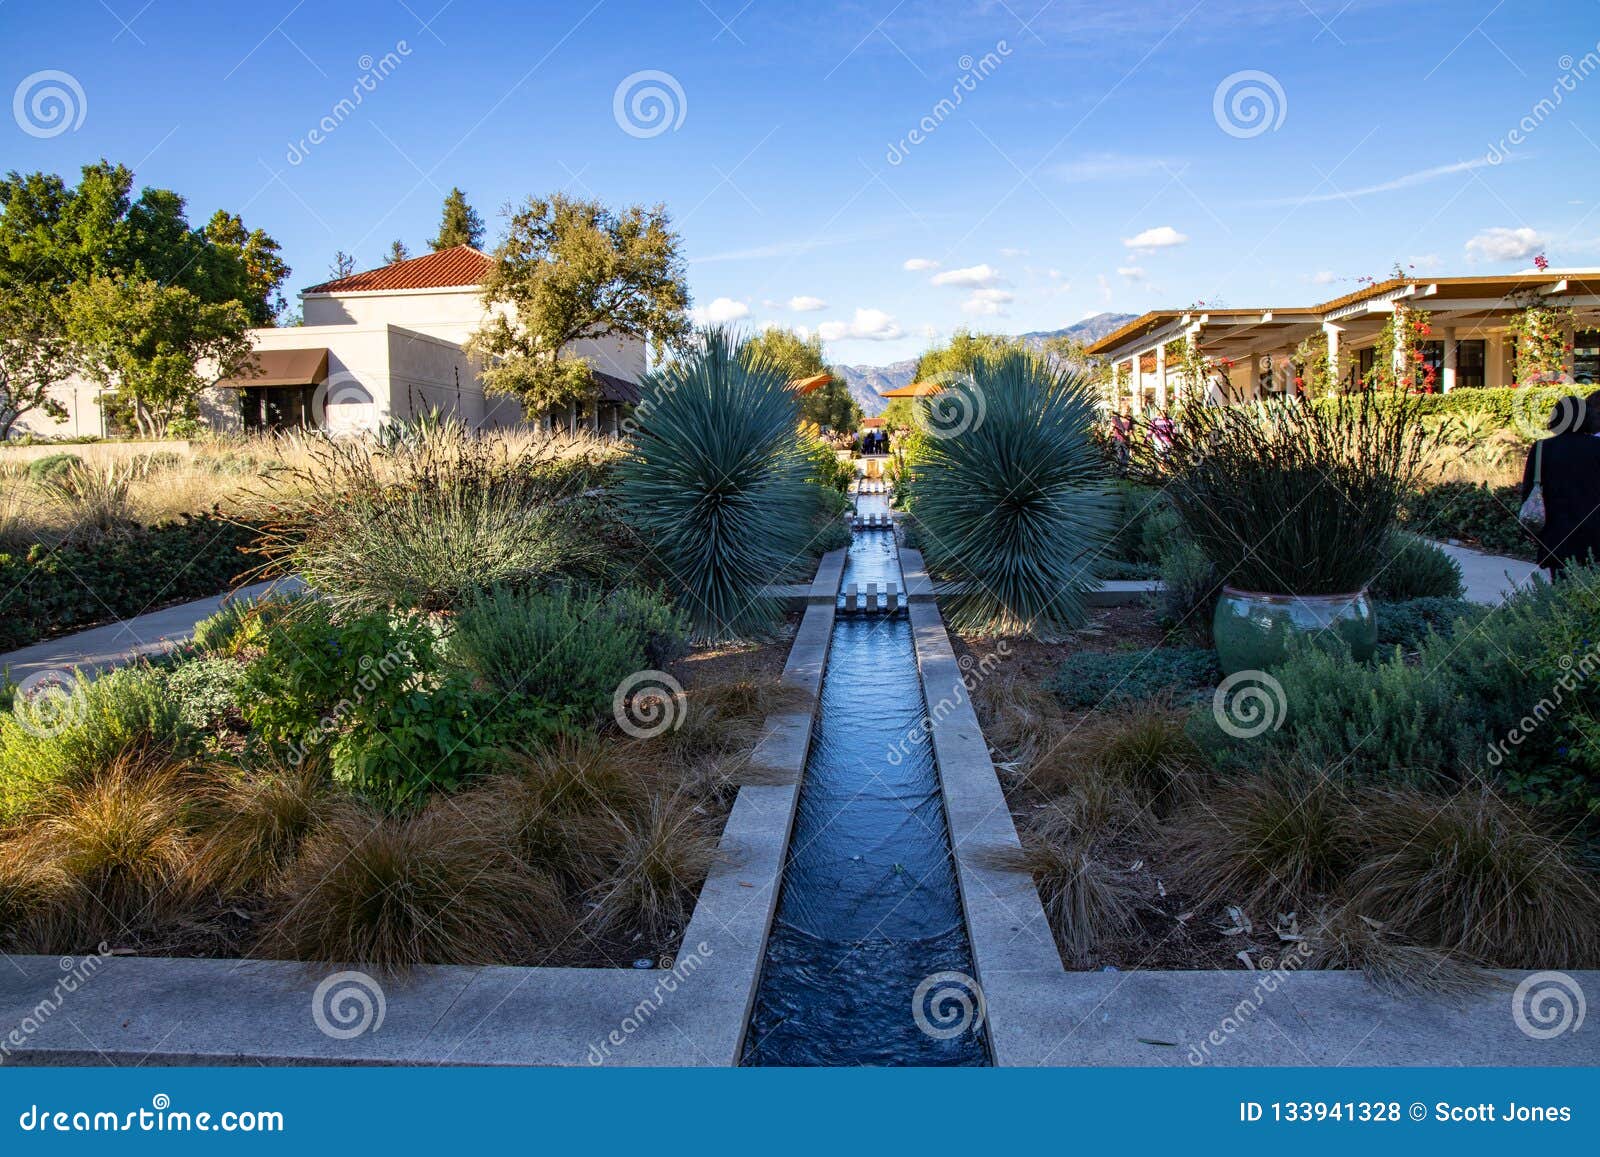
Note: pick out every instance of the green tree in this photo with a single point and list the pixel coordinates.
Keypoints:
(53, 235)
(153, 346)
(33, 357)
(955, 358)
(397, 253)
(459, 223)
(572, 270)
(831, 406)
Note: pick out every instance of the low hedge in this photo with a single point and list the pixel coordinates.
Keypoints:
(48, 592)
(1473, 512)
(1498, 404)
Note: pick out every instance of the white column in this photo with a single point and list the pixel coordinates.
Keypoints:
(1398, 357)
(1569, 368)
(1449, 382)
(1138, 382)
(1333, 333)
(1116, 387)
(1161, 376)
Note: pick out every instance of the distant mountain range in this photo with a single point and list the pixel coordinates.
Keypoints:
(867, 383)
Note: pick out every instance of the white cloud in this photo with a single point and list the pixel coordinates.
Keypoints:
(1105, 287)
(1324, 277)
(987, 302)
(1405, 181)
(866, 325)
(972, 275)
(1160, 237)
(918, 264)
(1109, 167)
(1501, 244)
(804, 304)
(1131, 272)
(723, 309)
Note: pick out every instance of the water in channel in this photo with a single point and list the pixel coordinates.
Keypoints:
(868, 911)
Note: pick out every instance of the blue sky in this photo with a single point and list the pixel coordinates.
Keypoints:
(1094, 161)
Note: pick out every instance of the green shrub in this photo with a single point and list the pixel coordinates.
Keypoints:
(1137, 507)
(1012, 498)
(1288, 497)
(1093, 678)
(1414, 568)
(369, 690)
(71, 732)
(1471, 512)
(827, 468)
(1385, 720)
(80, 584)
(1498, 405)
(569, 651)
(1406, 624)
(205, 689)
(52, 466)
(1190, 587)
(715, 483)
(662, 626)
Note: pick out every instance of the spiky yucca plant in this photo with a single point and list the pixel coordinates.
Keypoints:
(714, 482)
(1012, 498)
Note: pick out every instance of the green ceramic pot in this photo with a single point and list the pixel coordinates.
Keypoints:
(1252, 630)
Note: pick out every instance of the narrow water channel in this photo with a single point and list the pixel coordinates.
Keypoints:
(868, 909)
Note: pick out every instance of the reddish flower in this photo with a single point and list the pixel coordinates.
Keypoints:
(1541, 262)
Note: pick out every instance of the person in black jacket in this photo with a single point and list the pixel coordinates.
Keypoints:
(1570, 475)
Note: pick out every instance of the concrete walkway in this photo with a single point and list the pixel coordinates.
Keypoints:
(102, 648)
(1489, 578)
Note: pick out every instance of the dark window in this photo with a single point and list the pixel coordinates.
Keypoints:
(1364, 363)
(1432, 366)
(1586, 356)
(276, 407)
(1470, 361)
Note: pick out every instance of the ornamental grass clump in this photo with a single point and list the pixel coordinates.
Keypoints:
(1012, 499)
(1287, 497)
(427, 522)
(715, 483)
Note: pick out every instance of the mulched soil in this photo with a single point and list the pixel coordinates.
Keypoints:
(1173, 934)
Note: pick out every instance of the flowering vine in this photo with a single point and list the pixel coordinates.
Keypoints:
(1540, 332)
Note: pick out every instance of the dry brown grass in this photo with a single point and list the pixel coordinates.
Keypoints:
(1275, 841)
(1020, 718)
(1477, 877)
(262, 817)
(1347, 940)
(391, 893)
(664, 852)
(104, 858)
(1085, 900)
(1146, 749)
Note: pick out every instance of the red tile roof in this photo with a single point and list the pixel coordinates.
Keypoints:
(456, 266)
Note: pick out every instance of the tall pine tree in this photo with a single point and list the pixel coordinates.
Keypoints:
(460, 223)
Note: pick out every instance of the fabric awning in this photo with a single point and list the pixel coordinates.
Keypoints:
(308, 367)
(914, 390)
(811, 384)
(615, 389)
